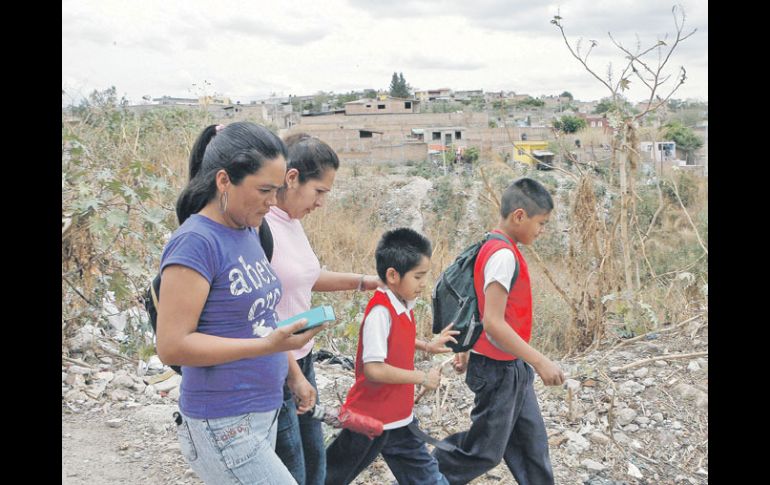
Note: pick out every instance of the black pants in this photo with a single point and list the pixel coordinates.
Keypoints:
(406, 455)
(506, 424)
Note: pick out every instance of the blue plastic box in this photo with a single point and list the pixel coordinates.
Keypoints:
(315, 316)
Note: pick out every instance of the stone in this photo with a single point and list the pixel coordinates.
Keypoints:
(598, 438)
(573, 385)
(634, 471)
(576, 444)
(640, 373)
(625, 416)
(114, 423)
(592, 465)
(629, 388)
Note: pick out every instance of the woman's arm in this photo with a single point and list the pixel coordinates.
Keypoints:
(333, 281)
(304, 393)
(183, 292)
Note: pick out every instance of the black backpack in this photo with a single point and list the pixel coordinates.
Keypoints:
(152, 293)
(454, 297)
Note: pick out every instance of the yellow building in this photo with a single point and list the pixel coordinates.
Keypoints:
(532, 152)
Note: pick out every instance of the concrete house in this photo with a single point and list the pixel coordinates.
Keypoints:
(532, 152)
(427, 95)
(386, 105)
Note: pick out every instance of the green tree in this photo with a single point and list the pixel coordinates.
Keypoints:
(603, 106)
(471, 154)
(398, 86)
(567, 94)
(620, 104)
(569, 124)
(345, 98)
(684, 138)
(530, 102)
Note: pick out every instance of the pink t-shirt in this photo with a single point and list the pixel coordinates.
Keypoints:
(296, 265)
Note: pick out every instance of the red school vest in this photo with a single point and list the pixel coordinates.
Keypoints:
(518, 309)
(386, 402)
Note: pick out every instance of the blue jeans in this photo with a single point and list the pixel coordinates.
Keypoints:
(506, 424)
(406, 455)
(233, 450)
(300, 443)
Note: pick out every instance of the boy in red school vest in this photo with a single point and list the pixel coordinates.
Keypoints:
(385, 374)
(506, 420)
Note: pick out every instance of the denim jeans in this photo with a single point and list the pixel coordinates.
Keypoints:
(233, 450)
(300, 443)
(506, 424)
(406, 455)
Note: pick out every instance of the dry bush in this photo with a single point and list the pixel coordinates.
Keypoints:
(121, 173)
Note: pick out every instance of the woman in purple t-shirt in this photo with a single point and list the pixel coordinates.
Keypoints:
(312, 165)
(217, 318)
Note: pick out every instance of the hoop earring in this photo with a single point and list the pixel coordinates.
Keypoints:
(223, 202)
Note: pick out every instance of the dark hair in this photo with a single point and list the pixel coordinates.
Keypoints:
(527, 194)
(401, 249)
(240, 149)
(310, 156)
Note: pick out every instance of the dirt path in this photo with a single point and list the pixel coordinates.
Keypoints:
(142, 449)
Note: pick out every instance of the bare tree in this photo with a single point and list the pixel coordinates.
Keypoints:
(594, 236)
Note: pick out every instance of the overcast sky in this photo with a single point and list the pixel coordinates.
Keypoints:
(250, 49)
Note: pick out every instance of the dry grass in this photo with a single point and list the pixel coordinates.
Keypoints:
(579, 263)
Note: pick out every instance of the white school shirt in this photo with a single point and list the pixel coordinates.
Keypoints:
(374, 338)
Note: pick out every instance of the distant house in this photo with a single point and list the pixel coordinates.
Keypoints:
(663, 152)
(585, 106)
(439, 94)
(440, 135)
(555, 102)
(386, 105)
(173, 100)
(469, 95)
(596, 121)
(214, 100)
(532, 152)
(515, 98)
(493, 96)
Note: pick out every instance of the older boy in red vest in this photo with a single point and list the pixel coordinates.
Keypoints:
(506, 420)
(385, 374)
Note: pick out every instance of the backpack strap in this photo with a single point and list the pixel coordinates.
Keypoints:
(266, 239)
(442, 445)
(500, 237)
(154, 296)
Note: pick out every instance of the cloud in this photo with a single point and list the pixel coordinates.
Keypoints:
(581, 17)
(154, 43)
(424, 62)
(280, 32)
(77, 27)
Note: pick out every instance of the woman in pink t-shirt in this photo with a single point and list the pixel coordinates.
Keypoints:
(311, 168)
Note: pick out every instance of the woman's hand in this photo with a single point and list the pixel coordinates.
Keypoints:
(372, 282)
(304, 393)
(284, 338)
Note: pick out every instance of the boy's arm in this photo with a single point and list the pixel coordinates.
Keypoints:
(383, 373)
(509, 341)
(375, 350)
(438, 344)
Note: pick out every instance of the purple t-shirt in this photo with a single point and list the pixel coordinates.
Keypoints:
(241, 304)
